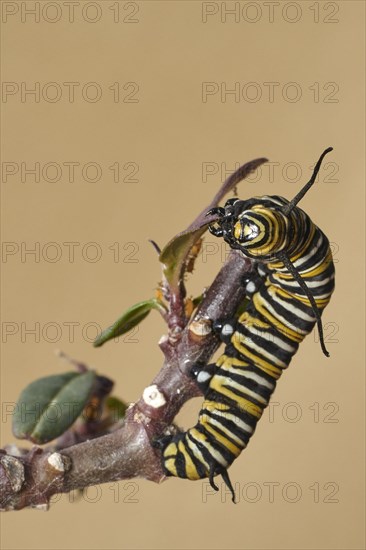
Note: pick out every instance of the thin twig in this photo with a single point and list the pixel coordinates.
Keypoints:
(31, 479)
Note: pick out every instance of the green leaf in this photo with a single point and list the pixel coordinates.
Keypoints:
(132, 317)
(50, 405)
(197, 300)
(174, 254)
(116, 407)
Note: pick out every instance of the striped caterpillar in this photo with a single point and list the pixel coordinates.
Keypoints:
(290, 285)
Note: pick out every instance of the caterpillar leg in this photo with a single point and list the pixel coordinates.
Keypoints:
(252, 282)
(203, 374)
(224, 328)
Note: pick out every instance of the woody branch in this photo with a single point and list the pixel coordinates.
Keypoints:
(31, 478)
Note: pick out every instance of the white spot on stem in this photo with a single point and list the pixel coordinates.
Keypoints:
(153, 397)
(56, 461)
(201, 328)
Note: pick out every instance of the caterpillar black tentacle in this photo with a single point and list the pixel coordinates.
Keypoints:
(290, 285)
(287, 262)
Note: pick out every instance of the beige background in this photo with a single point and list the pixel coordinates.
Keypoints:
(309, 446)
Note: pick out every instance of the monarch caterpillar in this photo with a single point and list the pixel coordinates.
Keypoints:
(290, 284)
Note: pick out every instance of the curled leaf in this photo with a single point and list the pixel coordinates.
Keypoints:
(50, 405)
(132, 317)
(175, 255)
(192, 256)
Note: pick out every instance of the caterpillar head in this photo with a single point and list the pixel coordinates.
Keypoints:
(262, 228)
(256, 227)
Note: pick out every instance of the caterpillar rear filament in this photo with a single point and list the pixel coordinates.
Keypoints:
(288, 288)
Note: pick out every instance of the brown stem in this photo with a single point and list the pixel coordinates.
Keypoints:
(32, 478)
